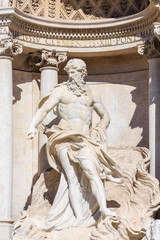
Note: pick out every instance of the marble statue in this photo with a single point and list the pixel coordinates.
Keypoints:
(73, 199)
(76, 149)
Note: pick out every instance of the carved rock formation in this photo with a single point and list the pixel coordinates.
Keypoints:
(135, 201)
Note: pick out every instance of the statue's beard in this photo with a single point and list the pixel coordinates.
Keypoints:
(77, 86)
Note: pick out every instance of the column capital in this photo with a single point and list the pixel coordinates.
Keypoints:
(157, 30)
(150, 48)
(10, 47)
(156, 3)
(47, 58)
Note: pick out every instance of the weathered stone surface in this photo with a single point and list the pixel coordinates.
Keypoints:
(135, 202)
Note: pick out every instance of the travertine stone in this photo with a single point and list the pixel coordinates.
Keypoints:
(95, 37)
(82, 162)
(153, 231)
(74, 111)
(49, 78)
(81, 10)
(8, 48)
(151, 50)
(154, 114)
(157, 30)
(25, 153)
(5, 149)
(133, 219)
(48, 62)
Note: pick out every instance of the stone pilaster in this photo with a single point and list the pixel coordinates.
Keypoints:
(151, 50)
(8, 49)
(47, 62)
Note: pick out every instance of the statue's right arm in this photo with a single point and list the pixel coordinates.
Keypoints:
(50, 103)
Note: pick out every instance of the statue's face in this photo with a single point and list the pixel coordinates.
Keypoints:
(75, 74)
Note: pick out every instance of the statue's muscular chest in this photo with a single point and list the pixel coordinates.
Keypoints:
(72, 106)
(70, 98)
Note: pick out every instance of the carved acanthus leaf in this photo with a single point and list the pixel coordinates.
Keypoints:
(150, 48)
(47, 58)
(10, 47)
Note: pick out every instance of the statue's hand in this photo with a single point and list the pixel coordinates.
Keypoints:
(31, 133)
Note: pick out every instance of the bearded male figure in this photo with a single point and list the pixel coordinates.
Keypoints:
(77, 151)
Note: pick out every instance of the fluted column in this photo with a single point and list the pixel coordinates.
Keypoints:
(151, 50)
(8, 49)
(48, 66)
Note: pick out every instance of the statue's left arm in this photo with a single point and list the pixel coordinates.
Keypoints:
(96, 133)
(102, 113)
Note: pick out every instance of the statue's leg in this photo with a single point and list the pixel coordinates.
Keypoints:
(90, 170)
(74, 191)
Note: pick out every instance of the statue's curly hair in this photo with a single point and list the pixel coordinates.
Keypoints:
(76, 63)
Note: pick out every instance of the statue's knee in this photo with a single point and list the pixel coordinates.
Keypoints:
(87, 152)
(90, 172)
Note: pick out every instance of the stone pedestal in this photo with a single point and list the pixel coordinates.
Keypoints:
(154, 115)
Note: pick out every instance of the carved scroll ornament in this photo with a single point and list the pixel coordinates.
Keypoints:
(10, 47)
(47, 58)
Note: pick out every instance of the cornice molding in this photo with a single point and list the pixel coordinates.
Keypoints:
(31, 24)
(70, 35)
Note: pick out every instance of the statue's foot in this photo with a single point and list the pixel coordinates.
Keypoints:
(108, 212)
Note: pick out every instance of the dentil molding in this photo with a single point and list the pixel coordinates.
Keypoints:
(80, 36)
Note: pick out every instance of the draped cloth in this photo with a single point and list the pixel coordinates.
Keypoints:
(79, 146)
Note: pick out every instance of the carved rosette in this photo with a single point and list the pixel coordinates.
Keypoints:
(10, 47)
(150, 48)
(47, 58)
